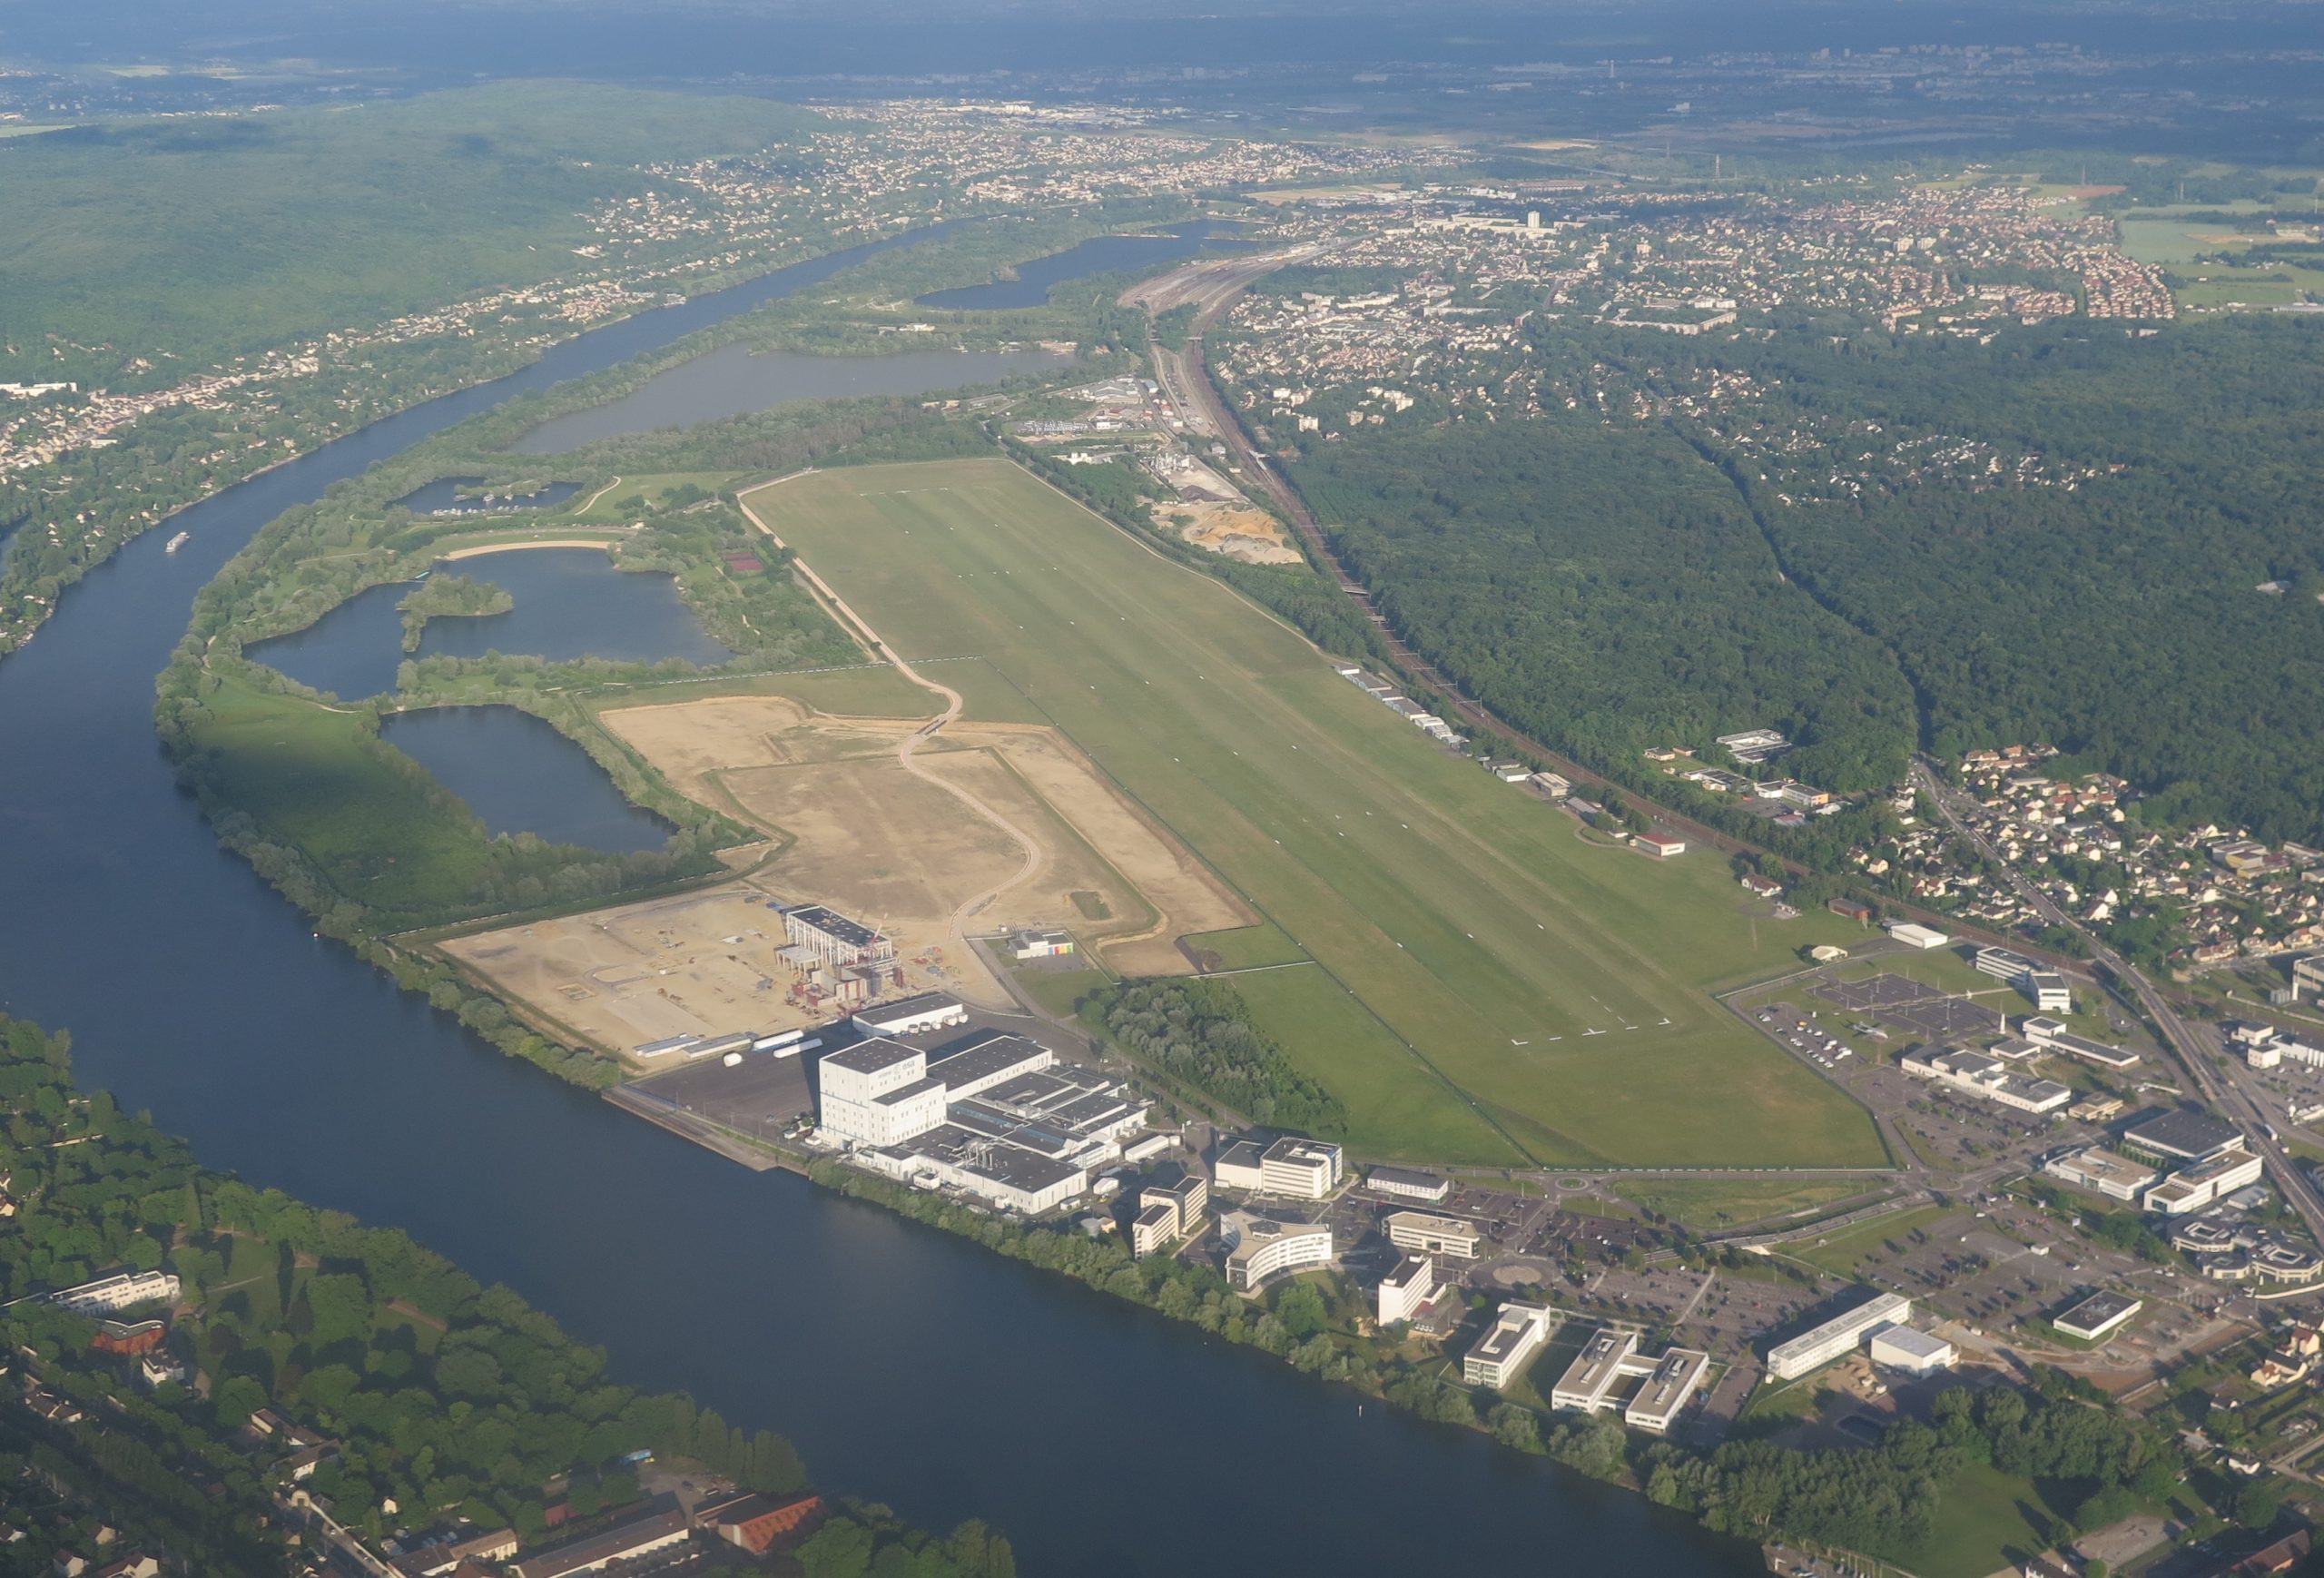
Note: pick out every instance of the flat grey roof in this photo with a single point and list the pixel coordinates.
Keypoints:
(831, 923)
(1242, 1153)
(1594, 1368)
(1405, 1178)
(1408, 1270)
(993, 1055)
(870, 1055)
(2096, 1311)
(906, 1092)
(2186, 1133)
(905, 1007)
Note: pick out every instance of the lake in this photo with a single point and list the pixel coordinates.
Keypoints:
(571, 602)
(734, 380)
(518, 774)
(910, 1366)
(1032, 282)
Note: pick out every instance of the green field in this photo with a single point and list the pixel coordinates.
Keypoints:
(1527, 996)
(1726, 1202)
(1986, 1521)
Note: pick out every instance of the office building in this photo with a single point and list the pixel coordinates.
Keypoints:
(1155, 1227)
(2048, 992)
(1900, 1347)
(1260, 1249)
(1302, 1169)
(109, 1294)
(2003, 963)
(1498, 1357)
(1592, 1376)
(1666, 1390)
(1819, 1346)
(1040, 945)
(2052, 1036)
(2201, 1183)
(1406, 1288)
(1420, 1233)
(2118, 1178)
(2097, 1315)
(1406, 1184)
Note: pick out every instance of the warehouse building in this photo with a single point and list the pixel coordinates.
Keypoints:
(2118, 1178)
(1913, 934)
(911, 1016)
(1423, 1234)
(1665, 1392)
(1917, 1353)
(1820, 1345)
(1261, 1249)
(2181, 1135)
(1406, 1287)
(1975, 1074)
(1592, 1376)
(1498, 1357)
(660, 1529)
(2097, 1315)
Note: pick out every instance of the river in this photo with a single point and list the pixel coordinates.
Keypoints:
(910, 1366)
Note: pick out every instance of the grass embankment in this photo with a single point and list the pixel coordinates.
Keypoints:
(1532, 997)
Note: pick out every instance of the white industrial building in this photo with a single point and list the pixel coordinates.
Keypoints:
(2118, 1178)
(1975, 1074)
(107, 1295)
(1406, 1288)
(999, 1118)
(1913, 934)
(2097, 1315)
(1917, 1353)
(929, 1011)
(1498, 1357)
(1820, 1345)
(819, 936)
(1423, 1233)
(2052, 1036)
(1259, 1249)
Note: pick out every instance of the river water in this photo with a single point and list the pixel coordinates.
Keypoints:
(1029, 283)
(734, 379)
(910, 1366)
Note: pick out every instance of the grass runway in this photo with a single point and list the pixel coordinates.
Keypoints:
(1486, 988)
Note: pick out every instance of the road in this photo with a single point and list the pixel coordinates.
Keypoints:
(2189, 1047)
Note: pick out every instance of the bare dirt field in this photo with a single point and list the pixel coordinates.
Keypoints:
(1238, 531)
(700, 963)
(863, 835)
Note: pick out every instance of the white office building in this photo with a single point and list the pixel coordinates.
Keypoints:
(1423, 1233)
(2047, 990)
(1260, 1249)
(1819, 1346)
(1237, 1166)
(2203, 1183)
(1406, 1184)
(2003, 963)
(1302, 1170)
(2052, 1036)
(1406, 1288)
(1665, 1391)
(108, 1295)
(1498, 1357)
(1592, 1376)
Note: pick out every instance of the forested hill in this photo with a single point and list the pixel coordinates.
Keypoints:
(1603, 588)
(2052, 537)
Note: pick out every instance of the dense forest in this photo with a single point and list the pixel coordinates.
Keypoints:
(443, 1397)
(1887, 542)
(1199, 1031)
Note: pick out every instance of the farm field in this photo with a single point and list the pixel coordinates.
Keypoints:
(1532, 998)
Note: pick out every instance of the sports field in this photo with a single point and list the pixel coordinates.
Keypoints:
(1516, 994)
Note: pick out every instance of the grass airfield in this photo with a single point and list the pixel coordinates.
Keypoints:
(1478, 983)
